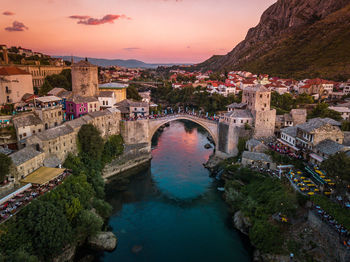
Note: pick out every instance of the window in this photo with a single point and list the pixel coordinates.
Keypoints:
(33, 132)
(260, 96)
(39, 130)
(241, 121)
(24, 134)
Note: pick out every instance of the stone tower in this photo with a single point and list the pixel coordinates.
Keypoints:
(258, 101)
(84, 79)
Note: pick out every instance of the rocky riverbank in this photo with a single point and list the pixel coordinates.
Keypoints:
(133, 157)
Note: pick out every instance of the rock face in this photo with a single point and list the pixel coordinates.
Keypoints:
(105, 241)
(241, 222)
(285, 18)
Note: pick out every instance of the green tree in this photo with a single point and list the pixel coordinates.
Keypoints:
(45, 88)
(304, 99)
(338, 166)
(132, 93)
(5, 164)
(88, 223)
(322, 110)
(90, 142)
(48, 228)
(113, 147)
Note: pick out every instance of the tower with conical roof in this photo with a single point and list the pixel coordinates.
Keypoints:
(84, 79)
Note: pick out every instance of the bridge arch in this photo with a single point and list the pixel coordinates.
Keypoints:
(210, 126)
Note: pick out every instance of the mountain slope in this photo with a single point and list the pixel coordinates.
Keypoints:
(294, 39)
(130, 63)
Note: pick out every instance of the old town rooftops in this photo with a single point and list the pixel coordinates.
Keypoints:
(256, 156)
(237, 105)
(106, 94)
(24, 155)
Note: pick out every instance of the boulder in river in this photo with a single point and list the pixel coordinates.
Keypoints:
(105, 241)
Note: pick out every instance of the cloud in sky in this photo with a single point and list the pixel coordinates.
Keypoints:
(131, 48)
(8, 13)
(16, 27)
(87, 20)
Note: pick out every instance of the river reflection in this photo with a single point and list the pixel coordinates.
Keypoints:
(172, 211)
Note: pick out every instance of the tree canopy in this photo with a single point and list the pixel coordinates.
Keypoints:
(338, 166)
(322, 110)
(5, 164)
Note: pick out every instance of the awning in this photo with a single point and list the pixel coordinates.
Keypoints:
(316, 157)
(289, 145)
(11, 195)
(43, 175)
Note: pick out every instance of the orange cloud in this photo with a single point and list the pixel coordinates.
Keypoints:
(87, 20)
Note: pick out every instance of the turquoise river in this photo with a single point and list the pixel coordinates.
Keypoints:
(172, 211)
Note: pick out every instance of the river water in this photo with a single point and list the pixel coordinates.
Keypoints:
(172, 211)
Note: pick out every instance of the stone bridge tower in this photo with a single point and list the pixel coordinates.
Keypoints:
(84, 79)
(258, 101)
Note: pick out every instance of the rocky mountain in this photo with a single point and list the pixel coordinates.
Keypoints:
(294, 38)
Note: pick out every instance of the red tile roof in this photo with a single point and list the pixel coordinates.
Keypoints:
(8, 71)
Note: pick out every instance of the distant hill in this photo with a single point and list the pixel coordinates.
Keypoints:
(131, 63)
(300, 39)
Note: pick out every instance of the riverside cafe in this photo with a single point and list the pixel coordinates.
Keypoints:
(35, 184)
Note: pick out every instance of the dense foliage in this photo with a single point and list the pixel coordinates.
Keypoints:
(192, 97)
(62, 80)
(259, 198)
(132, 93)
(286, 102)
(338, 166)
(5, 164)
(63, 216)
(322, 110)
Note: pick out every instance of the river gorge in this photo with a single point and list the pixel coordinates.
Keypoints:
(172, 210)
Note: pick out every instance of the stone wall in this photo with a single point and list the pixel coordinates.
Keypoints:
(264, 125)
(133, 156)
(135, 132)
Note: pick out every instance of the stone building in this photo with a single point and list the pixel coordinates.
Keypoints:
(130, 108)
(25, 161)
(26, 125)
(238, 118)
(295, 117)
(254, 145)
(40, 72)
(256, 159)
(107, 99)
(118, 89)
(14, 83)
(84, 79)
(258, 100)
(325, 149)
(316, 130)
(51, 116)
(56, 142)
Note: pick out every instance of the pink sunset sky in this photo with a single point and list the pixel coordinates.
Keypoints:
(154, 31)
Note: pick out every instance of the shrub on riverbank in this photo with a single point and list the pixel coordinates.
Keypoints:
(63, 216)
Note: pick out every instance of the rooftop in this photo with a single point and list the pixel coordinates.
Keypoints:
(316, 123)
(106, 94)
(55, 132)
(239, 113)
(26, 120)
(113, 86)
(237, 105)
(11, 70)
(24, 155)
(48, 99)
(256, 156)
(56, 91)
(291, 131)
(329, 147)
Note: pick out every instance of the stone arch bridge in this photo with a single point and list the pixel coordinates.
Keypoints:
(141, 132)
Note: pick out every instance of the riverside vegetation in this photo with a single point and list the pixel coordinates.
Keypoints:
(257, 200)
(69, 214)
